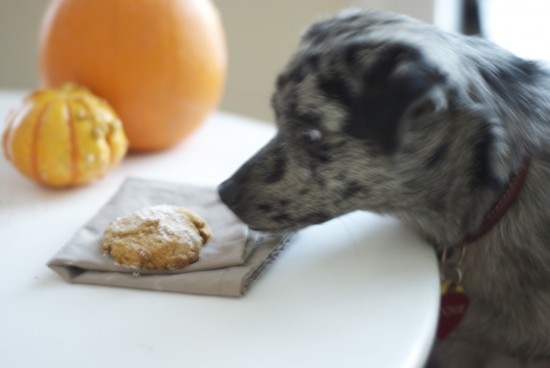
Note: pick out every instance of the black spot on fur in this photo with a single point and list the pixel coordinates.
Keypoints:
(437, 156)
(423, 109)
(283, 217)
(317, 32)
(481, 168)
(282, 81)
(321, 154)
(265, 207)
(386, 95)
(298, 74)
(284, 202)
(319, 217)
(325, 152)
(341, 176)
(294, 76)
(509, 76)
(337, 89)
(303, 191)
(355, 51)
(313, 60)
(291, 108)
(351, 189)
(310, 118)
(316, 175)
(352, 53)
(315, 218)
(278, 169)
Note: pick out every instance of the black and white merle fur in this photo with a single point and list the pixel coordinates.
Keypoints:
(383, 113)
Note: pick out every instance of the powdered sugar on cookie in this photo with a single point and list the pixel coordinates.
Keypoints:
(162, 237)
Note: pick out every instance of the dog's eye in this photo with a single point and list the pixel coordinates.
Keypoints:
(311, 136)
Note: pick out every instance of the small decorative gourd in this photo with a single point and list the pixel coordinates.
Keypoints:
(64, 137)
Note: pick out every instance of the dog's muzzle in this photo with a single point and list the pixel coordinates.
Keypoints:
(229, 192)
(232, 189)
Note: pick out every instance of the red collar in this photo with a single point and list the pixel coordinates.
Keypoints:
(454, 300)
(504, 203)
(508, 197)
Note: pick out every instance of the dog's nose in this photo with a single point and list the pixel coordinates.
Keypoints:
(229, 192)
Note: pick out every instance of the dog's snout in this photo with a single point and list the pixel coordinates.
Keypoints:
(229, 193)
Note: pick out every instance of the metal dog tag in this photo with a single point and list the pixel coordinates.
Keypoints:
(454, 304)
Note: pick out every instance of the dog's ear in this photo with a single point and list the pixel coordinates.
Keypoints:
(399, 81)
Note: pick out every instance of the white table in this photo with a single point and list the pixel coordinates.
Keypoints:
(359, 291)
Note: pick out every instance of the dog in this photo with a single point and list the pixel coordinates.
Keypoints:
(383, 113)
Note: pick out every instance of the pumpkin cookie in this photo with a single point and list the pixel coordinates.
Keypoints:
(156, 238)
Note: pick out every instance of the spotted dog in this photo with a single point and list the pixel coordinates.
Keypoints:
(383, 113)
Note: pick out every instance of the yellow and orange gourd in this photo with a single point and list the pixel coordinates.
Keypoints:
(64, 137)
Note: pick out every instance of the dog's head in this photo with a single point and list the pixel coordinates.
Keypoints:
(371, 115)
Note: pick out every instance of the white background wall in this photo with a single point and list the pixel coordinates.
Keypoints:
(261, 35)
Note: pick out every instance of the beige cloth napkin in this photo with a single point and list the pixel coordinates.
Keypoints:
(229, 263)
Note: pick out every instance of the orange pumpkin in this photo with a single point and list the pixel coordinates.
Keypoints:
(160, 63)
